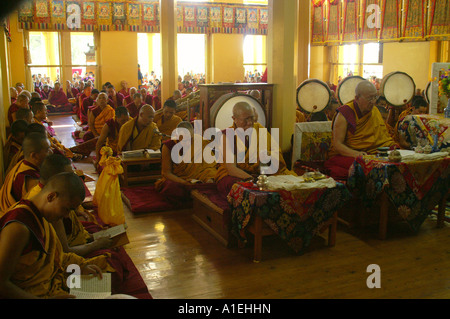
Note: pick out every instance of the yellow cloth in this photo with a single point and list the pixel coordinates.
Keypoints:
(166, 127)
(79, 235)
(370, 133)
(131, 139)
(253, 168)
(299, 116)
(14, 160)
(107, 196)
(44, 275)
(7, 199)
(100, 120)
(189, 171)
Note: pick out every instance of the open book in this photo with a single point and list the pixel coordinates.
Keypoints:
(117, 233)
(142, 153)
(92, 287)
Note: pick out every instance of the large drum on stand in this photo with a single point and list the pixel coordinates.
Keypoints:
(427, 93)
(313, 96)
(346, 89)
(398, 88)
(221, 112)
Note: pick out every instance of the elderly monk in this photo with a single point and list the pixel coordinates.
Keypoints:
(13, 144)
(179, 178)
(32, 261)
(124, 90)
(98, 115)
(231, 173)
(25, 174)
(166, 120)
(21, 102)
(13, 93)
(140, 132)
(71, 91)
(129, 97)
(116, 99)
(109, 134)
(357, 129)
(134, 107)
(58, 100)
(147, 98)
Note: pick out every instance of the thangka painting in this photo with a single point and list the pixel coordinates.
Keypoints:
(241, 18)
(215, 18)
(133, 16)
(119, 16)
(312, 141)
(202, 18)
(58, 15)
(88, 16)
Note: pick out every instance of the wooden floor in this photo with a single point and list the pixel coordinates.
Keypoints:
(180, 260)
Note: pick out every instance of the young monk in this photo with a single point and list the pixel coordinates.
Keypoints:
(13, 144)
(110, 132)
(179, 178)
(167, 121)
(25, 174)
(32, 262)
(76, 239)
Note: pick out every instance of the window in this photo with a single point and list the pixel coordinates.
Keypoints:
(149, 56)
(361, 59)
(83, 55)
(44, 57)
(254, 57)
(191, 61)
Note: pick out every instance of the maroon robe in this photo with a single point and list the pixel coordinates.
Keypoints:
(59, 98)
(118, 102)
(133, 109)
(45, 95)
(83, 114)
(12, 109)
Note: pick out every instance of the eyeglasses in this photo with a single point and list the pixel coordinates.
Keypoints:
(247, 119)
(372, 98)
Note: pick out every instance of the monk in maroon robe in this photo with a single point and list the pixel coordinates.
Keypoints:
(115, 99)
(58, 100)
(134, 107)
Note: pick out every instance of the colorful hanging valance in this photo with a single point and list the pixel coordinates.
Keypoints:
(353, 21)
(141, 16)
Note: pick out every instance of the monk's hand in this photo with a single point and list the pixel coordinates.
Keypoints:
(103, 242)
(92, 270)
(358, 154)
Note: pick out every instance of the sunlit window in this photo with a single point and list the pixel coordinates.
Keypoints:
(368, 64)
(191, 53)
(83, 55)
(254, 57)
(44, 57)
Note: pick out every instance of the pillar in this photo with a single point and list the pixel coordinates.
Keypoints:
(168, 23)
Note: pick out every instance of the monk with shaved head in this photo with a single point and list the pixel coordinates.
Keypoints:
(357, 129)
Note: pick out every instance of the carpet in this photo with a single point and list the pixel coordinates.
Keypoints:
(145, 199)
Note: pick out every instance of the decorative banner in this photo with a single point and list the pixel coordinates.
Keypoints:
(58, 15)
(119, 16)
(133, 16)
(228, 19)
(371, 20)
(241, 19)
(439, 20)
(317, 29)
(42, 16)
(88, 22)
(202, 19)
(215, 19)
(390, 20)
(350, 25)
(104, 16)
(252, 21)
(333, 34)
(414, 17)
(26, 15)
(149, 18)
(263, 20)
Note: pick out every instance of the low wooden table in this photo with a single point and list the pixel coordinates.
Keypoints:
(140, 176)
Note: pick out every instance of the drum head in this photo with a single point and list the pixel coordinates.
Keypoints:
(313, 95)
(346, 89)
(222, 110)
(398, 88)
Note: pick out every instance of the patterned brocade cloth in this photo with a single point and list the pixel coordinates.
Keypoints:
(296, 216)
(413, 187)
(424, 128)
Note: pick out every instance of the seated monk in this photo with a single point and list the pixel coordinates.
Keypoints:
(330, 109)
(25, 174)
(32, 261)
(87, 103)
(86, 91)
(140, 132)
(45, 93)
(419, 106)
(109, 134)
(21, 102)
(40, 117)
(357, 129)
(231, 173)
(98, 115)
(166, 120)
(134, 107)
(156, 100)
(76, 239)
(13, 93)
(129, 98)
(58, 100)
(179, 178)
(146, 97)
(25, 114)
(115, 99)
(13, 144)
(124, 90)
(71, 91)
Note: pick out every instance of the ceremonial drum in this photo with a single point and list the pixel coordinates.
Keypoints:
(313, 95)
(398, 88)
(222, 110)
(346, 89)
(427, 93)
